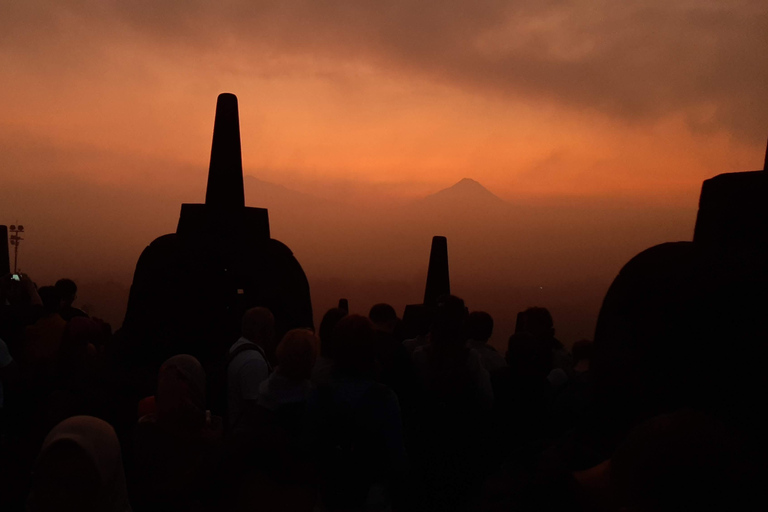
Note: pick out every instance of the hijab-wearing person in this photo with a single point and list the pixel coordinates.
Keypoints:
(79, 468)
(177, 447)
(180, 398)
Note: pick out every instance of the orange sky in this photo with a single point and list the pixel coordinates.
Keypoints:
(604, 115)
(529, 98)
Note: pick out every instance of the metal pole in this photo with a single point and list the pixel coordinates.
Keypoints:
(15, 241)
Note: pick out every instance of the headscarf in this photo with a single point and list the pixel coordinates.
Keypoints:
(80, 468)
(180, 395)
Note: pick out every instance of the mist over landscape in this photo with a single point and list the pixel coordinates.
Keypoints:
(505, 256)
(587, 129)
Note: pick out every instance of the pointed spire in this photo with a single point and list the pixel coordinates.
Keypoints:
(225, 174)
(765, 163)
(438, 279)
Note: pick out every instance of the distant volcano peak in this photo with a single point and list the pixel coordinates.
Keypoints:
(470, 184)
(466, 189)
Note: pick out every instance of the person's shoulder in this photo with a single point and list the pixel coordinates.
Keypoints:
(474, 358)
(250, 359)
(476, 344)
(149, 420)
(244, 350)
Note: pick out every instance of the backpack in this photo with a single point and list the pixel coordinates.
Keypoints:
(217, 381)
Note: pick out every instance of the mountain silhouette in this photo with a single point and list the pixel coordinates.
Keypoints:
(466, 191)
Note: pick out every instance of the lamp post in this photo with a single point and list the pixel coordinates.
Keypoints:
(15, 241)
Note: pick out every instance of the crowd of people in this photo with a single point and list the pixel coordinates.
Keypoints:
(365, 413)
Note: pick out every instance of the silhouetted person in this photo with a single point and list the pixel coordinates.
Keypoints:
(537, 322)
(43, 338)
(394, 364)
(250, 367)
(289, 383)
(178, 446)
(323, 369)
(523, 393)
(449, 371)
(573, 400)
(355, 426)
(79, 468)
(77, 381)
(383, 317)
(81, 337)
(417, 322)
(265, 444)
(67, 294)
(451, 414)
(479, 331)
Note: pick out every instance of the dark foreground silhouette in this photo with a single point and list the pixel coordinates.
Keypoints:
(212, 399)
(191, 288)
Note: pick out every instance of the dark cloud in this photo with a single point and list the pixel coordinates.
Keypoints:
(634, 60)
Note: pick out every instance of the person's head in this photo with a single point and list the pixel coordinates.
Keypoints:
(356, 352)
(327, 325)
(79, 468)
(581, 351)
(81, 335)
(50, 298)
(67, 291)
(180, 395)
(479, 326)
(258, 326)
(296, 354)
(449, 324)
(416, 320)
(527, 355)
(383, 317)
(537, 322)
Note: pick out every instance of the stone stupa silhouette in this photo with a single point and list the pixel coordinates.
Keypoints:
(685, 324)
(190, 288)
(417, 317)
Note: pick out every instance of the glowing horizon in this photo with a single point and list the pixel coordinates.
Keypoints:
(338, 108)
